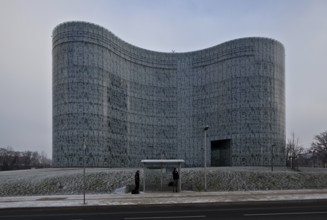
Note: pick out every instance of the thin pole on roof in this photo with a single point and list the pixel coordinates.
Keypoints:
(144, 178)
(205, 157)
(84, 149)
(161, 177)
(180, 178)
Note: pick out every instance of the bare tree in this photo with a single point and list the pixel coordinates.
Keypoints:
(27, 158)
(293, 150)
(45, 161)
(8, 158)
(35, 159)
(4, 159)
(13, 160)
(319, 147)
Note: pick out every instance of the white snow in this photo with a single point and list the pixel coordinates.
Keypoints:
(161, 198)
(121, 190)
(69, 181)
(63, 181)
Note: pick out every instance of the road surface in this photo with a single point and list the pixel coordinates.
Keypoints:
(299, 210)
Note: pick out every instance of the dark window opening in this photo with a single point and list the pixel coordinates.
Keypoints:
(220, 153)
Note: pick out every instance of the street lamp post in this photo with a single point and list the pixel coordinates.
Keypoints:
(205, 157)
(314, 157)
(84, 149)
(272, 157)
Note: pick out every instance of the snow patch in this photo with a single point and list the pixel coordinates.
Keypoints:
(121, 190)
(69, 181)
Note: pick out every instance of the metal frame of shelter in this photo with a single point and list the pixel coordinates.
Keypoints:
(162, 164)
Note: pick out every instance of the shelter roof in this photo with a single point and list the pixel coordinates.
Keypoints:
(165, 163)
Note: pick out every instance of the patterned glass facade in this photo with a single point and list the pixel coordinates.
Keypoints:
(127, 103)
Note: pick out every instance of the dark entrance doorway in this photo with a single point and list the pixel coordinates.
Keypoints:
(220, 153)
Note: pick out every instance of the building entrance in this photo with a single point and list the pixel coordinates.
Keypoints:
(220, 153)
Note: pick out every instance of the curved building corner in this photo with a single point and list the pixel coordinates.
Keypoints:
(125, 103)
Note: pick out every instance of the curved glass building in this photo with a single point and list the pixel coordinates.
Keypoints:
(125, 103)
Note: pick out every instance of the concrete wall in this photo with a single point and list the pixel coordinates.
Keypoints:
(127, 103)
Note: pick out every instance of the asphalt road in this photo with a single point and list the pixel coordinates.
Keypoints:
(312, 210)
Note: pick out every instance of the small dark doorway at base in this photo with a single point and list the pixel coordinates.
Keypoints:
(220, 153)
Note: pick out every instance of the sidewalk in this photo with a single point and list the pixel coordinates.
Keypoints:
(161, 198)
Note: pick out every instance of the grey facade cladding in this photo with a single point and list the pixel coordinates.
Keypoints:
(127, 103)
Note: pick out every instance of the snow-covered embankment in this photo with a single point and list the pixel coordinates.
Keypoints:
(101, 180)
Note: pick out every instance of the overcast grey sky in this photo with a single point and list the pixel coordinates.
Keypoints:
(181, 25)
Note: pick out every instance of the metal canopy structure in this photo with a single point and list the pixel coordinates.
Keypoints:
(162, 164)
